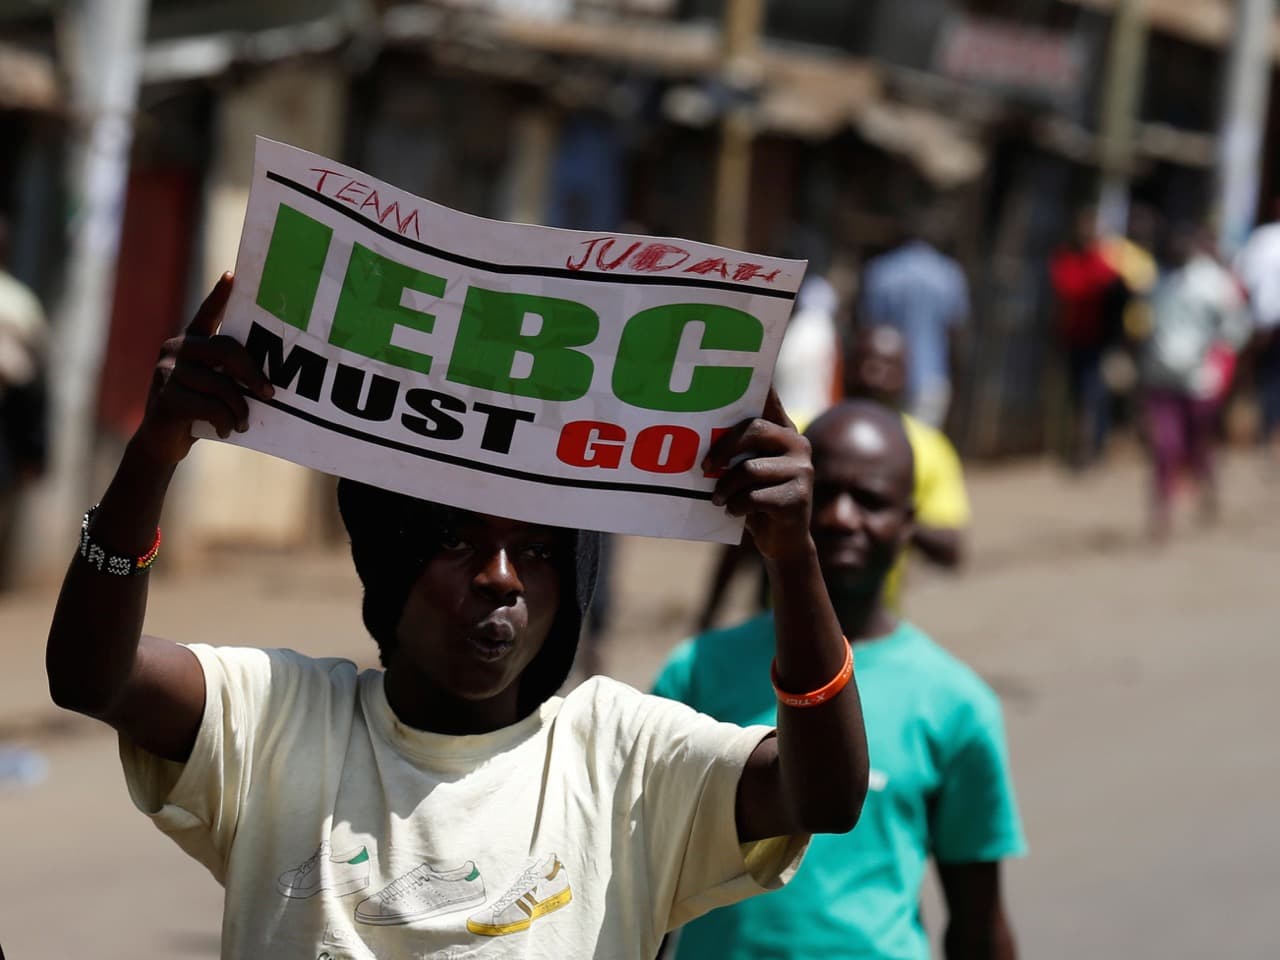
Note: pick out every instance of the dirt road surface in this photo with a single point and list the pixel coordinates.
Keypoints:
(1138, 686)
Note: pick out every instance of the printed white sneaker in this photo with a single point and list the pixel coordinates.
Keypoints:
(540, 889)
(423, 893)
(340, 874)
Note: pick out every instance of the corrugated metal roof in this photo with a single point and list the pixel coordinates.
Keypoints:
(798, 90)
(801, 91)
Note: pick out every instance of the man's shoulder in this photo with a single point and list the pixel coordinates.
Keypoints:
(19, 305)
(735, 642)
(882, 266)
(605, 710)
(605, 696)
(277, 666)
(600, 690)
(928, 253)
(761, 623)
(951, 683)
(1266, 235)
(927, 442)
(716, 653)
(920, 432)
(301, 661)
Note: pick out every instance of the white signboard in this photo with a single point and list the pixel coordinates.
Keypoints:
(569, 378)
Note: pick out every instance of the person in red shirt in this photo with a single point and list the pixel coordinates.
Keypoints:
(1084, 282)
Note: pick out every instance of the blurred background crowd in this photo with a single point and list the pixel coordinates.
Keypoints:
(1042, 228)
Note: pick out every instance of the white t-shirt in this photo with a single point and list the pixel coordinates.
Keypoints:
(805, 374)
(22, 333)
(809, 359)
(588, 829)
(1258, 265)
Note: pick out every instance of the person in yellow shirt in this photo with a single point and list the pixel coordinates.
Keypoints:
(1131, 258)
(877, 370)
(1130, 318)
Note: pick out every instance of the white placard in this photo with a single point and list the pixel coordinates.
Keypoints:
(558, 376)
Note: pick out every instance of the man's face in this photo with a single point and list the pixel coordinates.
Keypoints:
(861, 507)
(483, 605)
(878, 367)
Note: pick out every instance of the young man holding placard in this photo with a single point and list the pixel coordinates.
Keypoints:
(452, 803)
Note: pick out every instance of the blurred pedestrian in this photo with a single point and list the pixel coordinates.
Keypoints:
(1258, 266)
(453, 798)
(924, 294)
(1132, 256)
(876, 370)
(23, 406)
(940, 783)
(1200, 324)
(1084, 282)
(1128, 312)
(807, 375)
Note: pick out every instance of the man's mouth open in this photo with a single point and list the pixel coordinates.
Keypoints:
(492, 640)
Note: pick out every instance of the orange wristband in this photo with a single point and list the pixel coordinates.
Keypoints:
(822, 694)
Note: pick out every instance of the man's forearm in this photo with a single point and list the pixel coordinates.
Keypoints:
(986, 938)
(992, 942)
(822, 750)
(98, 619)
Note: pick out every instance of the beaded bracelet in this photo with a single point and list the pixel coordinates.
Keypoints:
(114, 563)
(822, 694)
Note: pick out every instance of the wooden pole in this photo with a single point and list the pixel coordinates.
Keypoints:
(1121, 104)
(742, 24)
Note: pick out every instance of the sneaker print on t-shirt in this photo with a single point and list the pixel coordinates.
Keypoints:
(340, 874)
(541, 888)
(422, 893)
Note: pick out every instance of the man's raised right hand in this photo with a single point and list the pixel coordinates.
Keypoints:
(200, 376)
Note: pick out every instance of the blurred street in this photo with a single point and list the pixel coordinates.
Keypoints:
(1138, 690)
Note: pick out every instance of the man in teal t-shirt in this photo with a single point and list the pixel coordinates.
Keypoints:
(940, 784)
